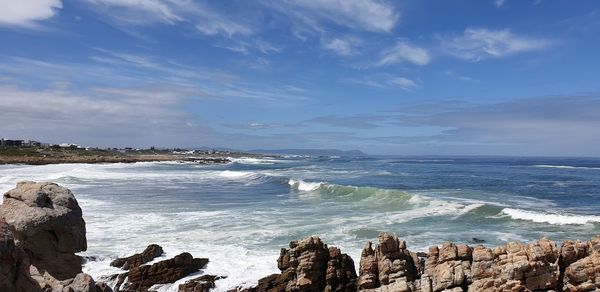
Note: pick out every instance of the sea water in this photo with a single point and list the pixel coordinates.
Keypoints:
(240, 214)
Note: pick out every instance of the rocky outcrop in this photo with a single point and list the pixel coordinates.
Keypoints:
(391, 267)
(388, 267)
(14, 264)
(308, 265)
(583, 274)
(47, 224)
(203, 283)
(150, 253)
(41, 229)
(142, 277)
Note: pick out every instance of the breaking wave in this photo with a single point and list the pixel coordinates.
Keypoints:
(565, 167)
(555, 219)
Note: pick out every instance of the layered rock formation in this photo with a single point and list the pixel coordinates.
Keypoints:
(309, 265)
(390, 266)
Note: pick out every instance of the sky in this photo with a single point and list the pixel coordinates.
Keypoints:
(413, 77)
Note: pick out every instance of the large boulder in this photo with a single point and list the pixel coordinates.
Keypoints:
(14, 264)
(47, 224)
(309, 265)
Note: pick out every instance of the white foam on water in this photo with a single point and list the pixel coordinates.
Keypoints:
(426, 206)
(236, 174)
(555, 219)
(304, 186)
(253, 160)
(565, 167)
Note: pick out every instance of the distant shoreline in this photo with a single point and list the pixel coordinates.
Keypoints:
(45, 156)
(29, 160)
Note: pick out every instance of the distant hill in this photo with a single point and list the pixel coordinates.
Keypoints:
(311, 152)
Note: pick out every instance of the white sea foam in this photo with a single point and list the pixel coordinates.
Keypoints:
(253, 160)
(555, 219)
(565, 167)
(236, 174)
(304, 186)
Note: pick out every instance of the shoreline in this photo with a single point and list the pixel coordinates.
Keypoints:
(45, 156)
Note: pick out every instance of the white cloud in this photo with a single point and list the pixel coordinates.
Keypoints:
(121, 115)
(26, 13)
(206, 20)
(341, 46)
(367, 15)
(385, 81)
(147, 10)
(403, 52)
(479, 43)
(499, 3)
(403, 83)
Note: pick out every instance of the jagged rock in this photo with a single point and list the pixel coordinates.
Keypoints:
(341, 274)
(584, 274)
(103, 287)
(201, 284)
(449, 267)
(394, 262)
(310, 266)
(368, 271)
(150, 253)
(47, 223)
(14, 264)
(168, 271)
(390, 267)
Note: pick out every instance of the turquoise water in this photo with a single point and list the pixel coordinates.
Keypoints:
(240, 214)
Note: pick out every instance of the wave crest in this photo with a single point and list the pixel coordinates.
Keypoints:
(555, 219)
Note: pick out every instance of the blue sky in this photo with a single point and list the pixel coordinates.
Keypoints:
(386, 77)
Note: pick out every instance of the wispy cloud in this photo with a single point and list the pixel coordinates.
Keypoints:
(28, 13)
(499, 3)
(477, 44)
(342, 46)
(367, 15)
(404, 52)
(201, 16)
(385, 81)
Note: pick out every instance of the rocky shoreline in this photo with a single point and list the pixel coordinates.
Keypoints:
(42, 228)
(92, 159)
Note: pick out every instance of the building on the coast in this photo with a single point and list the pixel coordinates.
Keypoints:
(32, 143)
(68, 145)
(11, 143)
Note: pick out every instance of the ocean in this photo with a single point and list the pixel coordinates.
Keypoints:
(240, 214)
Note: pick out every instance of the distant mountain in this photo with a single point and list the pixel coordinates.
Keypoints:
(311, 152)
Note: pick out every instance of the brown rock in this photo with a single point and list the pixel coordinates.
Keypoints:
(394, 261)
(201, 284)
(308, 265)
(368, 271)
(168, 271)
(150, 253)
(584, 274)
(47, 223)
(341, 274)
